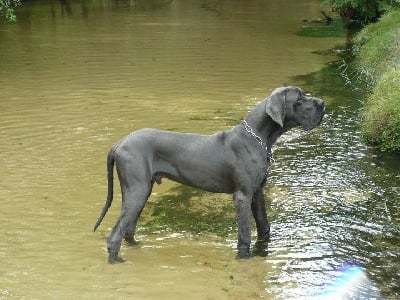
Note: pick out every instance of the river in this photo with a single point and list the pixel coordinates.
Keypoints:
(76, 76)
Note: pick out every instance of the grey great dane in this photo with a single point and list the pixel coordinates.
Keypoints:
(235, 161)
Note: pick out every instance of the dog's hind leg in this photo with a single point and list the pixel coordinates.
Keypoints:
(129, 235)
(133, 200)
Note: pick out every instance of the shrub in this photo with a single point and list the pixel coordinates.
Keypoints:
(361, 11)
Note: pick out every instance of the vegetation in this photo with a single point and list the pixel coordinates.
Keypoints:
(7, 9)
(381, 113)
(361, 12)
(377, 63)
(333, 28)
(377, 48)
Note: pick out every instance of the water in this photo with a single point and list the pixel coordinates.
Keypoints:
(77, 77)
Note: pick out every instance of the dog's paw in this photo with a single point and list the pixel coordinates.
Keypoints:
(115, 259)
(261, 248)
(243, 254)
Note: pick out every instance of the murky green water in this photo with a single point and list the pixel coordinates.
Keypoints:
(76, 78)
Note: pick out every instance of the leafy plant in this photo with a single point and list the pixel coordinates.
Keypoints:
(7, 8)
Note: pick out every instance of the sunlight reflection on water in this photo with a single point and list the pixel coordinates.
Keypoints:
(350, 282)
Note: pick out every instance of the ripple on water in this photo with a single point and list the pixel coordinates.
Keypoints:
(326, 212)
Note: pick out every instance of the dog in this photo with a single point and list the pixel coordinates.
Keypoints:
(234, 161)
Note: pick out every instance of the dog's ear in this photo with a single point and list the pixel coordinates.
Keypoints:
(276, 106)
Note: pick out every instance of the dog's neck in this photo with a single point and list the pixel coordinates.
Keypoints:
(264, 126)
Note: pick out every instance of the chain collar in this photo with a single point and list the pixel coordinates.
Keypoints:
(260, 141)
(251, 131)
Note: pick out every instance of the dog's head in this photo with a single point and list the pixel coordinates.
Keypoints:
(291, 107)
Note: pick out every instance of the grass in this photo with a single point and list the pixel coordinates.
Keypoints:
(377, 48)
(381, 113)
(377, 64)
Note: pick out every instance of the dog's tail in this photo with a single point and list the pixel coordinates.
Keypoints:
(110, 179)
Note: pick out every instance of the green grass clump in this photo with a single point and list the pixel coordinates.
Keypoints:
(380, 123)
(377, 48)
(377, 64)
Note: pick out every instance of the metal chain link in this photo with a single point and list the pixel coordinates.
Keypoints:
(250, 130)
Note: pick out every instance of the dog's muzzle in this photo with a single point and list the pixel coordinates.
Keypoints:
(319, 103)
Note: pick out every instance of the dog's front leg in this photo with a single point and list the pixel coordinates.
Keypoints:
(260, 216)
(263, 228)
(243, 215)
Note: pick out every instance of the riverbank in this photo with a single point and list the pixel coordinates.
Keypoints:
(377, 65)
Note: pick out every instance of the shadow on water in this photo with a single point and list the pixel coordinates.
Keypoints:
(192, 210)
(73, 8)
